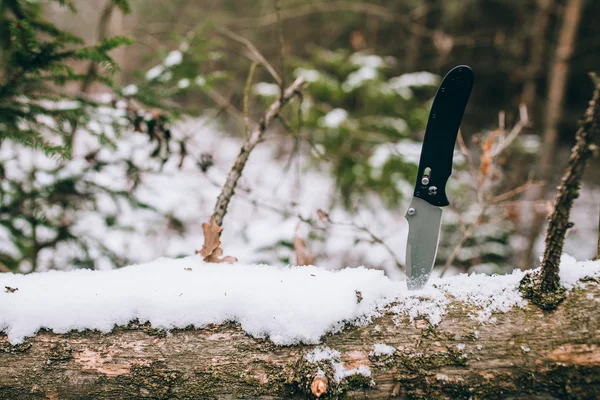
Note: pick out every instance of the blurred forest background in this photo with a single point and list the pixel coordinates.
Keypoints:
(133, 165)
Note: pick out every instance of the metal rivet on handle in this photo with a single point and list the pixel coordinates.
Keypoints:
(411, 211)
(433, 191)
(425, 181)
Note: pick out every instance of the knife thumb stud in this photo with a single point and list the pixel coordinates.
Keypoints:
(411, 211)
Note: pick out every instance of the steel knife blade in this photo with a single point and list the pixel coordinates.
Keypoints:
(424, 213)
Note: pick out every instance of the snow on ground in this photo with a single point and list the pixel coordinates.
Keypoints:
(288, 305)
(262, 215)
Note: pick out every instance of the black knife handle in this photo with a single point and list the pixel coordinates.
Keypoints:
(440, 136)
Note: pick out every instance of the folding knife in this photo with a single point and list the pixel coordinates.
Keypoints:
(424, 214)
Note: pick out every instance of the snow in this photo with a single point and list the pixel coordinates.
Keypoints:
(183, 83)
(359, 77)
(266, 89)
(173, 58)
(367, 60)
(200, 80)
(382, 350)
(320, 354)
(129, 90)
(288, 305)
(309, 75)
(154, 72)
(334, 118)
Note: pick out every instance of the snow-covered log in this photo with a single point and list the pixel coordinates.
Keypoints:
(205, 331)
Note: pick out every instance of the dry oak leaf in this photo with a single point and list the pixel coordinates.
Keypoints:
(210, 249)
(303, 256)
(486, 155)
(323, 215)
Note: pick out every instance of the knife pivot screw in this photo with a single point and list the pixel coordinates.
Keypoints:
(425, 181)
(433, 191)
(411, 211)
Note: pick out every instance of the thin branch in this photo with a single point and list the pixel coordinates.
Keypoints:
(515, 131)
(516, 191)
(257, 54)
(544, 288)
(246, 96)
(225, 105)
(405, 20)
(281, 46)
(249, 143)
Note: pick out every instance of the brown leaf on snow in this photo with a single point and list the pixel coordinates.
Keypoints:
(212, 240)
(303, 256)
(323, 215)
(9, 289)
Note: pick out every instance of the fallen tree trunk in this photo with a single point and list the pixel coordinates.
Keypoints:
(525, 353)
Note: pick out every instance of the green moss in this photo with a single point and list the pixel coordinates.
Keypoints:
(59, 352)
(531, 288)
(6, 347)
(426, 362)
(152, 381)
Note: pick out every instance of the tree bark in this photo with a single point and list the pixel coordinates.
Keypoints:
(556, 93)
(543, 287)
(526, 353)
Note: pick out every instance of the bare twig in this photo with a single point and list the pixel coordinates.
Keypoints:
(226, 105)
(281, 46)
(376, 10)
(485, 197)
(544, 288)
(516, 191)
(249, 143)
(515, 131)
(255, 53)
(247, 95)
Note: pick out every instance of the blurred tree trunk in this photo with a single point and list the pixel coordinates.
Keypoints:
(536, 51)
(556, 93)
(430, 16)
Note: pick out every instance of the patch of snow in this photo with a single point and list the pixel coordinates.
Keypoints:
(367, 60)
(380, 349)
(322, 353)
(525, 349)
(129, 90)
(173, 58)
(334, 357)
(460, 346)
(358, 78)
(334, 118)
(267, 301)
(340, 372)
(184, 83)
(415, 79)
(266, 89)
(154, 72)
(309, 75)
(200, 80)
